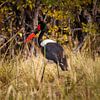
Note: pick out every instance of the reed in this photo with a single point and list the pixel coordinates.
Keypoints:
(20, 79)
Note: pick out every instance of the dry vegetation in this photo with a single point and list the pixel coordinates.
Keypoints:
(20, 79)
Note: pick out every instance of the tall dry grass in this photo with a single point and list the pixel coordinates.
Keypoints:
(23, 79)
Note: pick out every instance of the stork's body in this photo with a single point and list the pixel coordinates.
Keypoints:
(53, 51)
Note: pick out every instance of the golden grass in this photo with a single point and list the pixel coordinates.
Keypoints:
(20, 79)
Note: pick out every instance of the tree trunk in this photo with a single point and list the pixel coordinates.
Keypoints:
(94, 10)
(36, 13)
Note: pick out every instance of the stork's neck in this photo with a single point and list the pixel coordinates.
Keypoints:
(40, 37)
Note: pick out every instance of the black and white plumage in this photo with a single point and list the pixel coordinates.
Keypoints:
(53, 51)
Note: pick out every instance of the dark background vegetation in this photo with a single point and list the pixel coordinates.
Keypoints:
(74, 18)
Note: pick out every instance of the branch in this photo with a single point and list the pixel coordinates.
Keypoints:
(37, 3)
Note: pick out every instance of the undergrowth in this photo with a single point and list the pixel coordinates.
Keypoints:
(23, 79)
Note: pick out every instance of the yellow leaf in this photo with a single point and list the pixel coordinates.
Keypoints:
(20, 34)
(66, 28)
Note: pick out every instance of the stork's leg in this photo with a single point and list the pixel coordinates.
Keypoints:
(44, 66)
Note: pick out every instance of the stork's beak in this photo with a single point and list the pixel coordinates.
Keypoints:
(30, 37)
